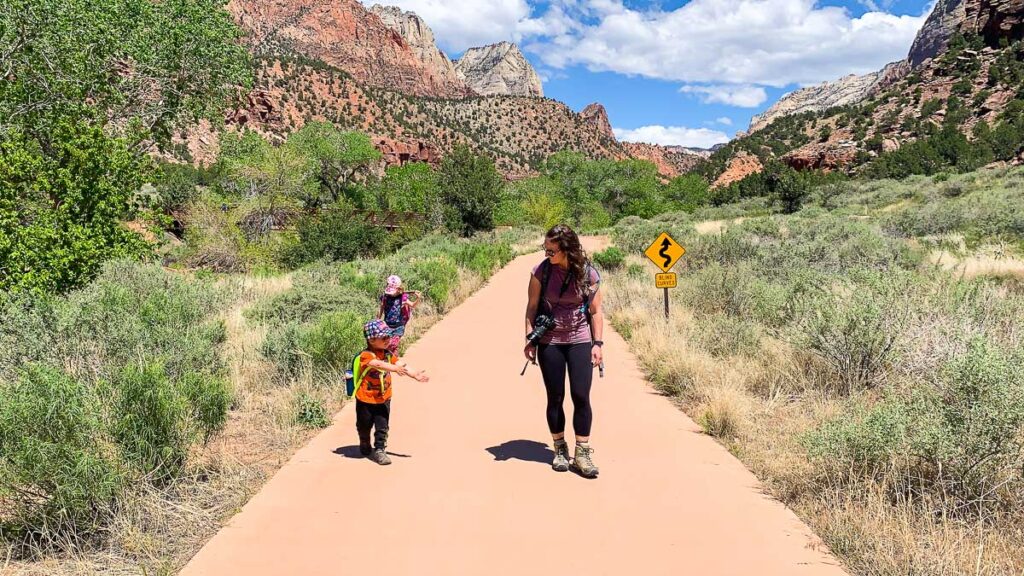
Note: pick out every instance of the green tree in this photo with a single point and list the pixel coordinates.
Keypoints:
(787, 187)
(687, 192)
(61, 209)
(577, 178)
(628, 188)
(272, 181)
(147, 65)
(470, 187)
(411, 188)
(339, 157)
(89, 86)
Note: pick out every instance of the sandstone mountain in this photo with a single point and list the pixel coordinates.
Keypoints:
(517, 132)
(595, 115)
(499, 69)
(419, 37)
(671, 161)
(344, 34)
(942, 23)
(847, 90)
(965, 70)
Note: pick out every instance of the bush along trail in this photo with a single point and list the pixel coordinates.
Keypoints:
(471, 489)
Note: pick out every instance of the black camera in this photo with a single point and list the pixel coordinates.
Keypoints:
(541, 325)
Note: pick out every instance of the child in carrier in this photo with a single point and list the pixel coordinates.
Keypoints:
(396, 308)
(371, 385)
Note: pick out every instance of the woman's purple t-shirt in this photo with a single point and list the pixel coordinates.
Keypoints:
(571, 325)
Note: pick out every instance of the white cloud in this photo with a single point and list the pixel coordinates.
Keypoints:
(744, 96)
(672, 136)
(753, 42)
(725, 121)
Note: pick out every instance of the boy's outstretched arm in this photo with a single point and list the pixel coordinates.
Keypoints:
(401, 369)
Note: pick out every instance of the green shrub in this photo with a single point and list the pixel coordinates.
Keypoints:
(855, 329)
(151, 420)
(332, 341)
(435, 277)
(337, 236)
(960, 437)
(482, 259)
(138, 312)
(610, 259)
(58, 475)
(722, 335)
(209, 398)
(307, 301)
(310, 412)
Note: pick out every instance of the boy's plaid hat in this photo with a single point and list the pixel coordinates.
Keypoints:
(376, 329)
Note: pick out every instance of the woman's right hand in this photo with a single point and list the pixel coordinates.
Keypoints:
(531, 353)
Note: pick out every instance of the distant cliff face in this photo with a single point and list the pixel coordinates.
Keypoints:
(847, 90)
(344, 34)
(945, 20)
(499, 69)
(595, 115)
(420, 39)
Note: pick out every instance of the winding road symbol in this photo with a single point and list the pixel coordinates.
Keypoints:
(665, 252)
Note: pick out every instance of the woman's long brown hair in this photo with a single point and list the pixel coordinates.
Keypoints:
(569, 243)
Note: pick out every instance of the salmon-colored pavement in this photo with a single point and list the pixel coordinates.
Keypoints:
(471, 490)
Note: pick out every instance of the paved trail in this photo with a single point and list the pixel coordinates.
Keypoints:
(471, 490)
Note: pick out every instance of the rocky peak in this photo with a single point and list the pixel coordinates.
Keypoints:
(847, 90)
(945, 19)
(596, 115)
(499, 69)
(420, 39)
(344, 34)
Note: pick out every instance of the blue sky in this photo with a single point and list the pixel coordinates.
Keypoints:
(689, 72)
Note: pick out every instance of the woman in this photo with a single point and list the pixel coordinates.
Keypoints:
(573, 345)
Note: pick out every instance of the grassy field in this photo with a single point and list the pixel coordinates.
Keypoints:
(84, 492)
(858, 359)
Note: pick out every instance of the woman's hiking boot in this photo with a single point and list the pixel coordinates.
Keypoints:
(561, 460)
(583, 463)
(381, 457)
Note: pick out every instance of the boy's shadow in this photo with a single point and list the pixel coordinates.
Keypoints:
(353, 452)
(525, 450)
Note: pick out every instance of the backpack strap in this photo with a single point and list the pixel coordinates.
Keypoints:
(545, 276)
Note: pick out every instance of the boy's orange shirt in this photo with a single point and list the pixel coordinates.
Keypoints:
(376, 385)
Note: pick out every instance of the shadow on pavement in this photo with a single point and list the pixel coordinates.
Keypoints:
(353, 452)
(525, 450)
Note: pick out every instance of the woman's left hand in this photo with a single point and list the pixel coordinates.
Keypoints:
(596, 355)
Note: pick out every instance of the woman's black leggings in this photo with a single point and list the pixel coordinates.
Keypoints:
(554, 359)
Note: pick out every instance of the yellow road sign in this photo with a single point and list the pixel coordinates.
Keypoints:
(665, 280)
(665, 252)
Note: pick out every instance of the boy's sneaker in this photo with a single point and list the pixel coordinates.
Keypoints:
(561, 460)
(381, 457)
(583, 463)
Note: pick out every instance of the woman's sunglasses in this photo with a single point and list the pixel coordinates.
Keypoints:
(549, 252)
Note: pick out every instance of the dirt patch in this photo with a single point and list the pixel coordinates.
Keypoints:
(987, 263)
(716, 226)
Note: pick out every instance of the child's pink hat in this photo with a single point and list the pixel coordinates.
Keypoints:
(394, 285)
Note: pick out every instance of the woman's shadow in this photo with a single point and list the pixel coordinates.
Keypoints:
(525, 450)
